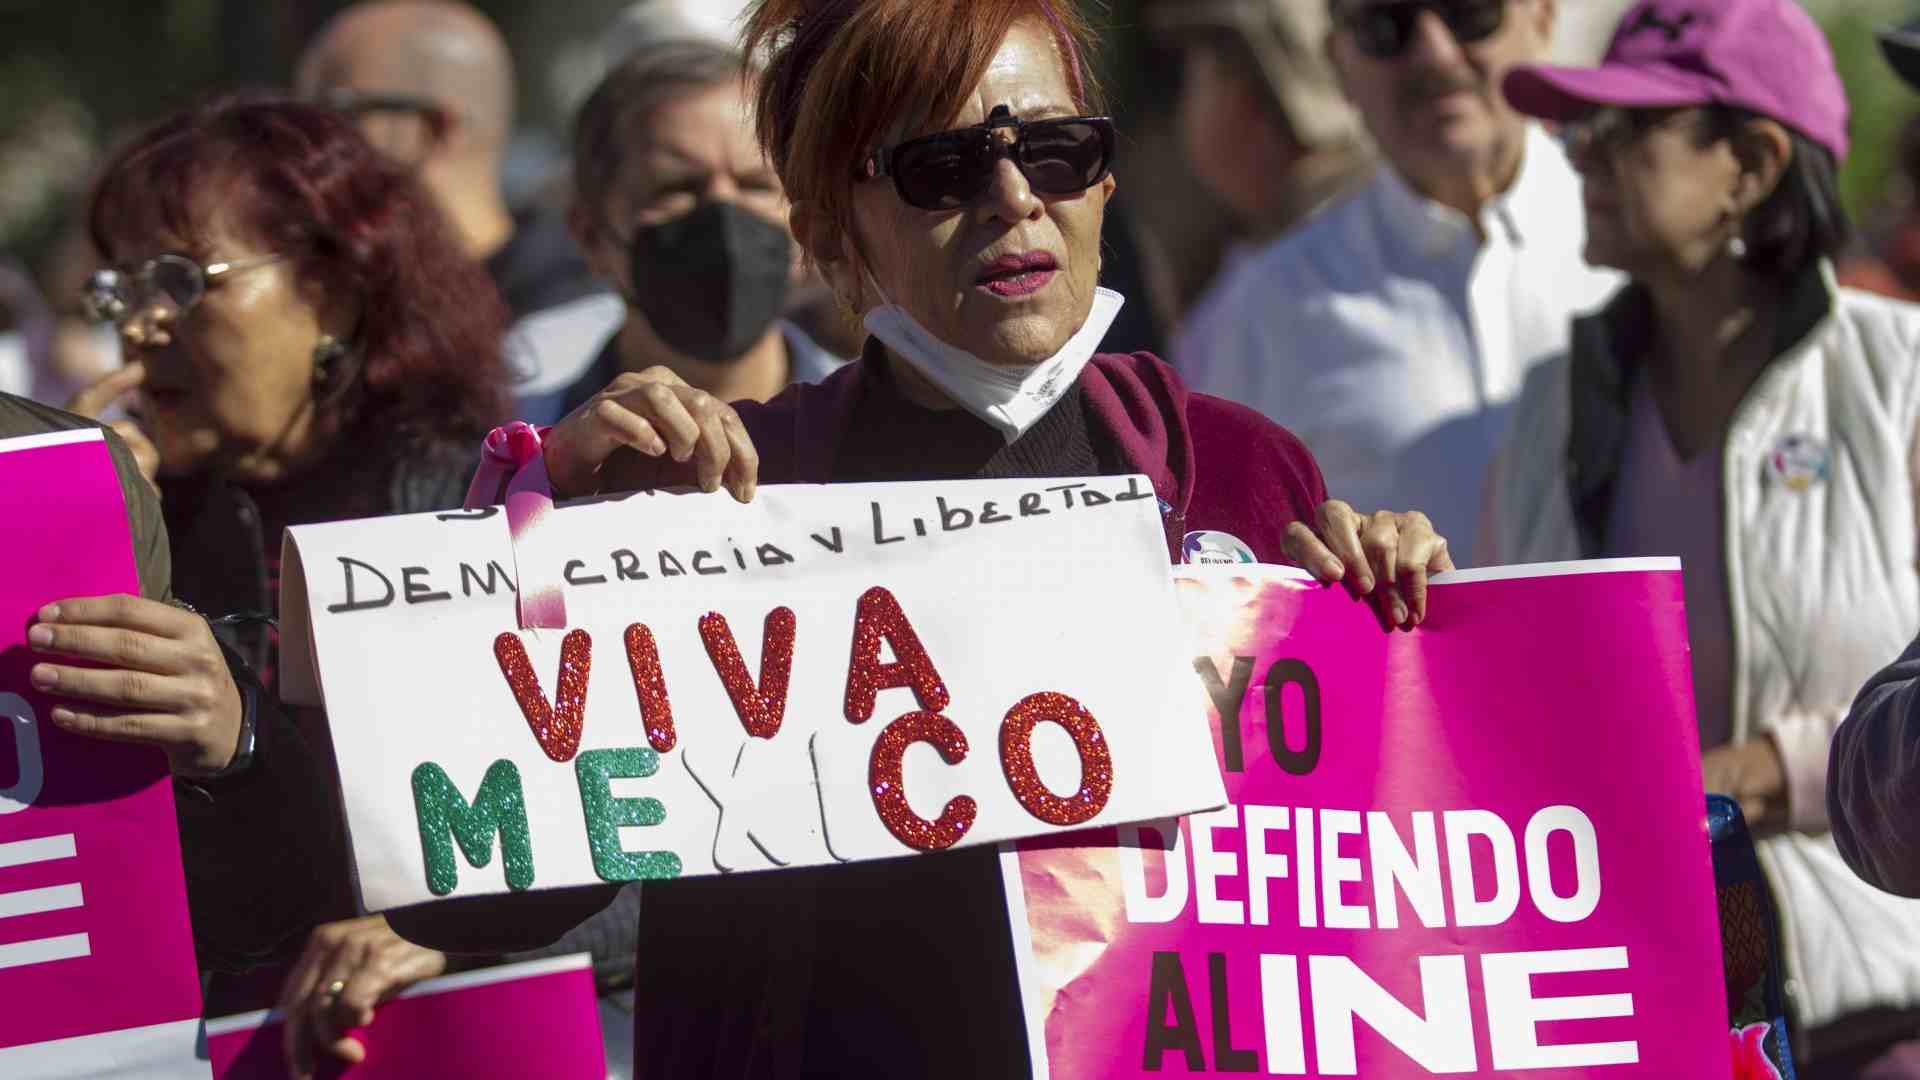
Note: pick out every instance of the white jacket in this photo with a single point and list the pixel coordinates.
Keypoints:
(1821, 573)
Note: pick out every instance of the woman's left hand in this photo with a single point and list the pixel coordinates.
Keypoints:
(1386, 556)
(349, 969)
(161, 675)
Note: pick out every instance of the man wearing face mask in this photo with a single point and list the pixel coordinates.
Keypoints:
(676, 207)
(1393, 331)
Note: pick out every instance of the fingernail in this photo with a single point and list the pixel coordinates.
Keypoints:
(62, 715)
(44, 677)
(1366, 583)
(50, 613)
(1336, 568)
(40, 637)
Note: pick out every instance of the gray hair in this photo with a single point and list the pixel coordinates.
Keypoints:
(642, 83)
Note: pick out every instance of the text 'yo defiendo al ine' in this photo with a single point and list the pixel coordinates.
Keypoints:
(1314, 868)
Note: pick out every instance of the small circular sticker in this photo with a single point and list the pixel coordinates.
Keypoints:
(1206, 548)
(1799, 461)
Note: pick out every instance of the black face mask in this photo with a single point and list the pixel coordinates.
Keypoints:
(712, 280)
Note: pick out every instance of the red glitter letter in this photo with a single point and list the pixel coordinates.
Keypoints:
(879, 618)
(890, 796)
(556, 727)
(650, 685)
(1016, 759)
(760, 708)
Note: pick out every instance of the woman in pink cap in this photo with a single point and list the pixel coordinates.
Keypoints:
(1734, 406)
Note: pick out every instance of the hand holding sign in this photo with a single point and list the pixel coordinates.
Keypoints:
(348, 969)
(656, 414)
(159, 669)
(1393, 551)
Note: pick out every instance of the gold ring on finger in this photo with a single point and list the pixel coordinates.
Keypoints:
(332, 993)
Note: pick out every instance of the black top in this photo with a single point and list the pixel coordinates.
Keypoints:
(909, 968)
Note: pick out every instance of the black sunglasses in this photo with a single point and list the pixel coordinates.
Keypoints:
(950, 169)
(1385, 30)
(1609, 129)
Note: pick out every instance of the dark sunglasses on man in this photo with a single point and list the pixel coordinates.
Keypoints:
(951, 169)
(1385, 30)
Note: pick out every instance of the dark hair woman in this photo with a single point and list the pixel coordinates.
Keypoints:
(1737, 408)
(306, 342)
(306, 339)
(950, 176)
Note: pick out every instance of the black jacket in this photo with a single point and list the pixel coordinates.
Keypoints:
(269, 849)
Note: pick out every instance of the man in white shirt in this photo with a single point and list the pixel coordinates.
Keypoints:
(1392, 331)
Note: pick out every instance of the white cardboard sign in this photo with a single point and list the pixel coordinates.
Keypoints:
(829, 674)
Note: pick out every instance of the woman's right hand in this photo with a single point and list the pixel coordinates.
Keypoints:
(94, 400)
(686, 435)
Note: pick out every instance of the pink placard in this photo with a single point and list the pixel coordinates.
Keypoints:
(534, 1019)
(94, 935)
(1478, 849)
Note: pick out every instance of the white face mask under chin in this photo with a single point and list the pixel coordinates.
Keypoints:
(1011, 398)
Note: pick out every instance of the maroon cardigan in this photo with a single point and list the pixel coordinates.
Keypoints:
(1215, 466)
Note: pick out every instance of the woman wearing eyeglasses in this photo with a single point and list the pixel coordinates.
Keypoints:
(305, 342)
(949, 178)
(1735, 407)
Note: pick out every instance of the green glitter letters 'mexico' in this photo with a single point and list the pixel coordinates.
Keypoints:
(606, 814)
(499, 807)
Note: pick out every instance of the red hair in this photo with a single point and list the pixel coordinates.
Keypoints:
(843, 71)
(302, 181)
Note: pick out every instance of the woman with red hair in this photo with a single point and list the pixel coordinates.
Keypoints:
(950, 172)
(306, 342)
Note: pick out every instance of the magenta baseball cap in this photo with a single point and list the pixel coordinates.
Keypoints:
(1766, 56)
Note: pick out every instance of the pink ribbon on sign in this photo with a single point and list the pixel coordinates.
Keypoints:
(513, 470)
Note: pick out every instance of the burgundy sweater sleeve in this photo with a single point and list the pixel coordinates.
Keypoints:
(1873, 779)
(1252, 477)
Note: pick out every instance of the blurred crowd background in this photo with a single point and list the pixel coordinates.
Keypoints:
(76, 78)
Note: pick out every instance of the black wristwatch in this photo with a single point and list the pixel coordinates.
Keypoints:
(243, 751)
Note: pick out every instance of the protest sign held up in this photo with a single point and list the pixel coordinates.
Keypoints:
(826, 675)
(90, 881)
(1466, 851)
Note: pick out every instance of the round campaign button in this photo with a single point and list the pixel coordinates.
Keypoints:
(1206, 548)
(1799, 461)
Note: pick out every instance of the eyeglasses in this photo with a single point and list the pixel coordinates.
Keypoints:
(356, 102)
(1385, 31)
(1609, 128)
(174, 283)
(950, 169)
